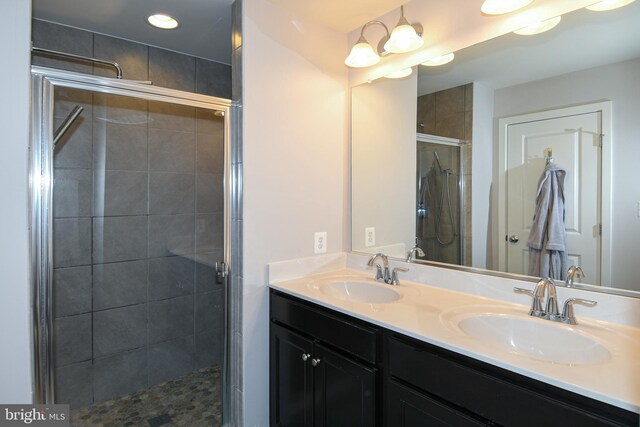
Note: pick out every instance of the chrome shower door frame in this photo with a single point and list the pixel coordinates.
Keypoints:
(44, 81)
(461, 145)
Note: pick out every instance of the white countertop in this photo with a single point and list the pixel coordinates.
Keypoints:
(429, 314)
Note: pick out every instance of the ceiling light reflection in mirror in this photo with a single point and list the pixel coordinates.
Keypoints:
(539, 27)
(439, 60)
(500, 7)
(400, 74)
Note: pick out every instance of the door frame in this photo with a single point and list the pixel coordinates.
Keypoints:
(43, 82)
(603, 107)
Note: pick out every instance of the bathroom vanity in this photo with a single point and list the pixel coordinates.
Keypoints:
(347, 350)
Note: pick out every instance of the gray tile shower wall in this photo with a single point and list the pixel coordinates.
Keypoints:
(138, 222)
(139, 62)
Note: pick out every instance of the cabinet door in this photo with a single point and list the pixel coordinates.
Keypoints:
(408, 408)
(291, 378)
(344, 391)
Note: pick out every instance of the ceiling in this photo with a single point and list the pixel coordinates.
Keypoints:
(341, 15)
(582, 40)
(205, 25)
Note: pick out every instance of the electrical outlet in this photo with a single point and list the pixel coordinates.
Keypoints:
(369, 236)
(320, 242)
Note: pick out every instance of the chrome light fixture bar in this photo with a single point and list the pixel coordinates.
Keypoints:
(405, 37)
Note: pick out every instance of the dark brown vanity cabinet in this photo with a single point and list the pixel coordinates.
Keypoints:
(329, 369)
(323, 371)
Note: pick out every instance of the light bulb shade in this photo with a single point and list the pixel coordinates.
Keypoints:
(499, 7)
(539, 27)
(400, 73)
(608, 5)
(404, 38)
(362, 55)
(440, 60)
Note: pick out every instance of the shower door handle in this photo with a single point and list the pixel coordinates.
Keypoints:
(513, 238)
(221, 272)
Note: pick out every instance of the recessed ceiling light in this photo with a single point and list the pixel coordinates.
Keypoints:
(539, 27)
(399, 74)
(499, 7)
(439, 60)
(160, 20)
(609, 5)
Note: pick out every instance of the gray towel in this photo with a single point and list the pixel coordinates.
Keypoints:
(547, 239)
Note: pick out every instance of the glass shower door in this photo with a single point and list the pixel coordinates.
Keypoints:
(138, 227)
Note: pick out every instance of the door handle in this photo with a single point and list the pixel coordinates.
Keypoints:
(305, 357)
(512, 239)
(315, 362)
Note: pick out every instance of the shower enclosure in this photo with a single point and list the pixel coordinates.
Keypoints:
(440, 199)
(129, 247)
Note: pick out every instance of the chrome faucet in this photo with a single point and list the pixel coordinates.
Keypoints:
(412, 253)
(567, 311)
(385, 276)
(395, 280)
(540, 308)
(573, 271)
(549, 309)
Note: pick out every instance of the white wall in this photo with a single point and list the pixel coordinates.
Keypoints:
(295, 132)
(618, 83)
(383, 162)
(15, 326)
(482, 175)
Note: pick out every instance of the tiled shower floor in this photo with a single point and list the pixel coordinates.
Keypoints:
(194, 400)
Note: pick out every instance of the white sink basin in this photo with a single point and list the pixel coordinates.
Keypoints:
(361, 291)
(535, 338)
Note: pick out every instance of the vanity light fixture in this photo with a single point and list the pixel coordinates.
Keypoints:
(440, 60)
(500, 7)
(608, 5)
(539, 27)
(405, 37)
(162, 21)
(362, 53)
(399, 73)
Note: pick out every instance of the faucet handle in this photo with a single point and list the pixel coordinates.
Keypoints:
(523, 291)
(394, 276)
(567, 311)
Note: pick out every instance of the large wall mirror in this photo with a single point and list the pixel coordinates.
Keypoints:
(471, 162)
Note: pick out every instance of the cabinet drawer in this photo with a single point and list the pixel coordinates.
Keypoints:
(509, 400)
(346, 334)
(408, 408)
